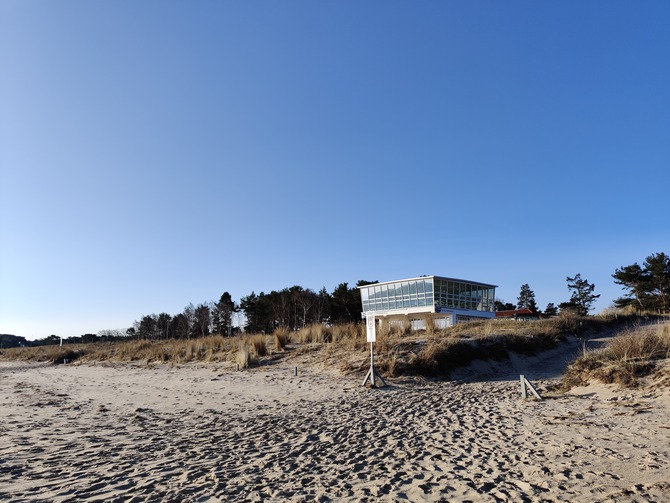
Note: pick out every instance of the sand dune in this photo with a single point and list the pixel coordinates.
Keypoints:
(87, 433)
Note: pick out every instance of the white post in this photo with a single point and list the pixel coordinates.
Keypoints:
(372, 358)
(372, 374)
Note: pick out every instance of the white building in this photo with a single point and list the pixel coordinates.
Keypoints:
(444, 300)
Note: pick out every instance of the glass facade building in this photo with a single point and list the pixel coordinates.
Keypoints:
(429, 295)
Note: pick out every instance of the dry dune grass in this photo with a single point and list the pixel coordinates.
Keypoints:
(243, 357)
(282, 338)
(259, 345)
(398, 350)
(56, 354)
(629, 357)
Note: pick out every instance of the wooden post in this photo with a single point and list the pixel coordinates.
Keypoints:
(526, 385)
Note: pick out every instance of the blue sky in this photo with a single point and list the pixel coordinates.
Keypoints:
(158, 153)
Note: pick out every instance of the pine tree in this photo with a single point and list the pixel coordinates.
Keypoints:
(582, 295)
(551, 310)
(222, 314)
(648, 285)
(526, 299)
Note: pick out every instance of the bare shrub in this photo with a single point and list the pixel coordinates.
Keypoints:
(569, 322)
(389, 364)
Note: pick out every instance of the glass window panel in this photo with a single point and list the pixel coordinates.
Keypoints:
(412, 287)
(420, 287)
(405, 288)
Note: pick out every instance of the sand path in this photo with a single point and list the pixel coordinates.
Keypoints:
(92, 433)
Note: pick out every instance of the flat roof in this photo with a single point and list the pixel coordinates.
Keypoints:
(434, 277)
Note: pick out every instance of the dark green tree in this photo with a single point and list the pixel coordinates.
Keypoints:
(89, 338)
(551, 310)
(163, 326)
(257, 310)
(47, 341)
(635, 279)
(222, 314)
(203, 321)
(12, 341)
(658, 268)
(582, 297)
(526, 299)
(342, 307)
(648, 285)
(147, 327)
(346, 306)
(179, 326)
(501, 305)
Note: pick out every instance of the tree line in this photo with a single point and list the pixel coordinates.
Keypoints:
(647, 290)
(291, 308)
(581, 299)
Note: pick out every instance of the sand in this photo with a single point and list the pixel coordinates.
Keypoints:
(210, 433)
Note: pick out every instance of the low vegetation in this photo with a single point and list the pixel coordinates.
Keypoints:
(630, 357)
(398, 350)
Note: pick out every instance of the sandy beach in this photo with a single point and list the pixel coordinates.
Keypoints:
(211, 433)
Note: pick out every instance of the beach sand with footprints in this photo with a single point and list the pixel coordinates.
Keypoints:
(211, 433)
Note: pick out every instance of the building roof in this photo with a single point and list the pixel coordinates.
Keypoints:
(469, 281)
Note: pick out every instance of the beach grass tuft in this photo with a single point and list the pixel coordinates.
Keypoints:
(628, 357)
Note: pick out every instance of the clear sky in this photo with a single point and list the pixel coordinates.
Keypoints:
(158, 153)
